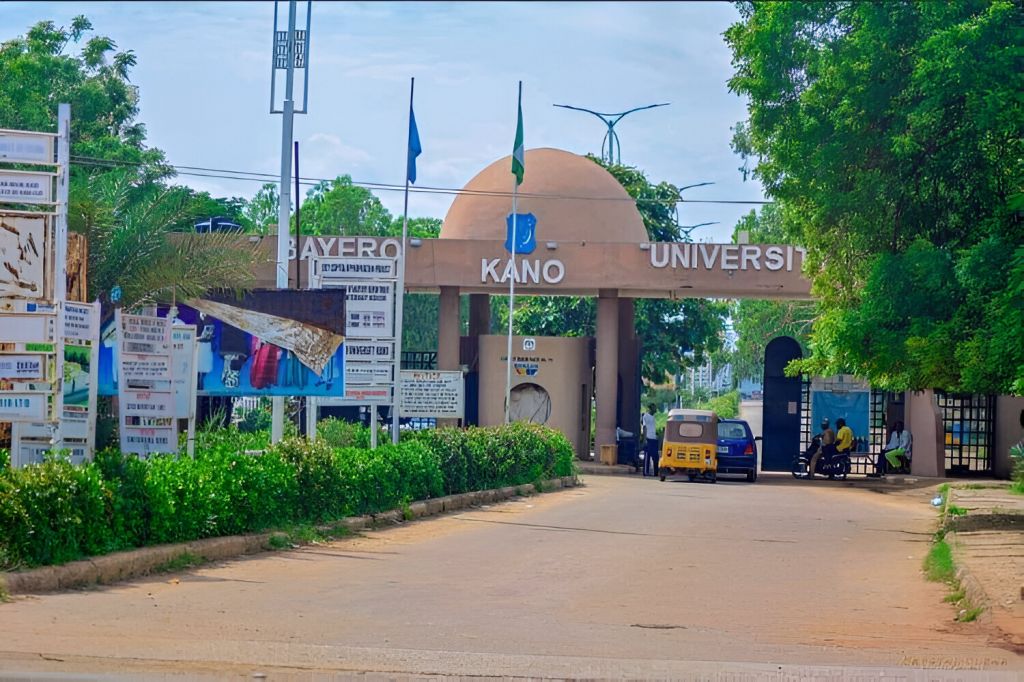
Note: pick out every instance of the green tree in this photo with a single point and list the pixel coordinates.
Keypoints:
(756, 321)
(674, 334)
(260, 212)
(120, 196)
(891, 136)
(340, 207)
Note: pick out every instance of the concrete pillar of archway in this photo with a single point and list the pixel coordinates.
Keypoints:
(448, 329)
(607, 367)
(629, 396)
(479, 314)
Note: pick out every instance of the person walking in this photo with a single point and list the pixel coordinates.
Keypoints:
(650, 431)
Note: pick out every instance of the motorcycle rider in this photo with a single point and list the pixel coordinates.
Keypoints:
(828, 439)
(844, 437)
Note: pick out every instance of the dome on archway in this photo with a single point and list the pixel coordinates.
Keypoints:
(572, 198)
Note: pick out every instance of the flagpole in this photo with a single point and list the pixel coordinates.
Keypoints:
(396, 391)
(512, 279)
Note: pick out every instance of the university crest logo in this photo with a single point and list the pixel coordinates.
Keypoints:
(526, 233)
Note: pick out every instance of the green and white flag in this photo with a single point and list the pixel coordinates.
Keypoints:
(518, 152)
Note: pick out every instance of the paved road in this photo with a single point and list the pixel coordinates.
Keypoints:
(625, 577)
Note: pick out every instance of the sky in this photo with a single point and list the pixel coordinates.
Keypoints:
(204, 78)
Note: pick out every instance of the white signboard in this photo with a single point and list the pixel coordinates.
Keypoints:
(183, 350)
(433, 394)
(362, 395)
(145, 334)
(29, 329)
(368, 373)
(25, 407)
(23, 366)
(81, 321)
(22, 187)
(147, 417)
(22, 252)
(142, 370)
(330, 270)
(24, 147)
(369, 351)
(370, 309)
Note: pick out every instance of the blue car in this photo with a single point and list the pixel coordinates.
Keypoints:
(737, 448)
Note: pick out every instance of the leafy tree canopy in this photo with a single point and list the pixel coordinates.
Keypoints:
(120, 195)
(756, 322)
(890, 135)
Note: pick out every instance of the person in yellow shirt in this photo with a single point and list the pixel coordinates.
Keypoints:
(844, 437)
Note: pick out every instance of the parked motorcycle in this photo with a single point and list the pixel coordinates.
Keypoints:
(836, 466)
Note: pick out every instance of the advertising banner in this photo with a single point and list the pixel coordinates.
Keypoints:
(81, 374)
(433, 394)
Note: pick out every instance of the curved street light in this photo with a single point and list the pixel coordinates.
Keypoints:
(611, 138)
(687, 229)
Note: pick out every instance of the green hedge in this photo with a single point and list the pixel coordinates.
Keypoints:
(56, 512)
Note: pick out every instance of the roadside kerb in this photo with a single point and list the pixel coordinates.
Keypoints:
(986, 548)
(120, 566)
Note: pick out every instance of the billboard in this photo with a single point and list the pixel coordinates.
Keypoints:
(266, 343)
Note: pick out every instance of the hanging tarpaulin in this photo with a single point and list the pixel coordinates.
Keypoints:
(313, 346)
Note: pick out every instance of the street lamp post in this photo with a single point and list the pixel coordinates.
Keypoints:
(611, 138)
(687, 229)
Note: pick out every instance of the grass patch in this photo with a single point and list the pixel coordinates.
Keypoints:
(938, 564)
(183, 561)
(306, 534)
(956, 596)
(970, 614)
(954, 510)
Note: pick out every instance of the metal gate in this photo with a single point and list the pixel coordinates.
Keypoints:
(968, 425)
(783, 397)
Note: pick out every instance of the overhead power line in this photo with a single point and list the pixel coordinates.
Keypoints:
(268, 178)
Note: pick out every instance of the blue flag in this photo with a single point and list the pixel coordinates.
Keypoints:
(414, 147)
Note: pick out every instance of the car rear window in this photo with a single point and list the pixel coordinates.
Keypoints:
(734, 431)
(676, 430)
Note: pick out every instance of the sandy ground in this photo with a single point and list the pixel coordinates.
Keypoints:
(625, 577)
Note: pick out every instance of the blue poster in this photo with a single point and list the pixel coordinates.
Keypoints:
(234, 363)
(853, 406)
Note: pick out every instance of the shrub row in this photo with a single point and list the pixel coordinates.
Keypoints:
(56, 512)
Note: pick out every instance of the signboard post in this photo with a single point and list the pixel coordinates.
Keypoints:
(145, 382)
(184, 357)
(33, 248)
(370, 299)
(437, 394)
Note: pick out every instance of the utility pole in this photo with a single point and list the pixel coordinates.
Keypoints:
(611, 150)
(290, 52)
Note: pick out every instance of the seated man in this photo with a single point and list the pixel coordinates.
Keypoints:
(896, 451)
